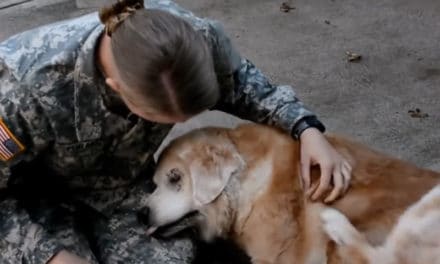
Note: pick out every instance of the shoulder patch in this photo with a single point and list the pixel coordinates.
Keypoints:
(9, 144)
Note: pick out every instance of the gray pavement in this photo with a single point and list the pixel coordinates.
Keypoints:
(369, 100)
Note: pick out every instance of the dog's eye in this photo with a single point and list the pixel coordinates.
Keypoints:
(174, 176)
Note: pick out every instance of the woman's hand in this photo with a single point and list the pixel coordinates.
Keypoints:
(315, 149)
(65, 257)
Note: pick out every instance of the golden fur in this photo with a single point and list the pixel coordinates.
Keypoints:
(262, 207)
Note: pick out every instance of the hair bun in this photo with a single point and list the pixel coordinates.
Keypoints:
(113, 15)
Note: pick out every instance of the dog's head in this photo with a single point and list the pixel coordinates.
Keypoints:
(192, 172)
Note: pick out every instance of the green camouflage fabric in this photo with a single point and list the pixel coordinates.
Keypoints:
(94, 157)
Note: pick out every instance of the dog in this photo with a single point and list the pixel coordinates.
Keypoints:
(243, 184)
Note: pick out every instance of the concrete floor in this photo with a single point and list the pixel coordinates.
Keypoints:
(369, 100)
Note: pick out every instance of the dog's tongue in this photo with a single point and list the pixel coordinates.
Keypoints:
(151, 230)
(171, 229)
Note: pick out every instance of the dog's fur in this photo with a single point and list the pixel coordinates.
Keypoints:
(415, 239)
(244, 184)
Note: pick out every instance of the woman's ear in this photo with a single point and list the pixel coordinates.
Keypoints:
(113, 84)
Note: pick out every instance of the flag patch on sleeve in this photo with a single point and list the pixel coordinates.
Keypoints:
(9, 144)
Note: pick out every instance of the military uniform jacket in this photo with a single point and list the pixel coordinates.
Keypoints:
(52, 102)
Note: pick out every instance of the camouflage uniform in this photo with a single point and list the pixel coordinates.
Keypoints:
(82, 178)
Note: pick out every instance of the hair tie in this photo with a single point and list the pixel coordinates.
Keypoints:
(114, 15)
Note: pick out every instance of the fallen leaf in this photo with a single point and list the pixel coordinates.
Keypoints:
(353, 57)
(285, 7)
(417, 113)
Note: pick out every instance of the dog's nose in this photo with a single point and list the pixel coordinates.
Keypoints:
(144, 216)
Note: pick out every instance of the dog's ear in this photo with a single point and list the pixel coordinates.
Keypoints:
(211, 173)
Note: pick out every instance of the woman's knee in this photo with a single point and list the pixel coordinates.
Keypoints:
(36, 237)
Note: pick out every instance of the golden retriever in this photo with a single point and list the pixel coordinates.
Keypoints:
(243, 184)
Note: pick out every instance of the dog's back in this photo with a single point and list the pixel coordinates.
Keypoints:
(413, 240)
(382, 187)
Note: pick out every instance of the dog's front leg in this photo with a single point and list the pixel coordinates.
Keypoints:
(315, 241)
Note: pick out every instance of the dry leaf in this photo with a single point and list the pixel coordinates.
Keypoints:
(353, 57)
(285, 7)
(417, 113)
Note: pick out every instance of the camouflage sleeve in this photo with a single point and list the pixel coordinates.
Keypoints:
(24, 130)
(249, 94)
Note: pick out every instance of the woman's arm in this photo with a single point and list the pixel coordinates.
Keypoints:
(24, 129)
(247, 93)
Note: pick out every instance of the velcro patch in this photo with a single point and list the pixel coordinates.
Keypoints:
(9, 144)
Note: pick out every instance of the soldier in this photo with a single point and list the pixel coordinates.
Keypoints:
(84, 105)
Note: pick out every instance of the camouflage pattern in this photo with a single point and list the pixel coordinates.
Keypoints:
(54, 99)
(34, 228)
(33, 237)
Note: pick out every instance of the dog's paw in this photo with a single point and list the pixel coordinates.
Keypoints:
(338, 227)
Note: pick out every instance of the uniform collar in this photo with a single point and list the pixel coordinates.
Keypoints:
(91, 113)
